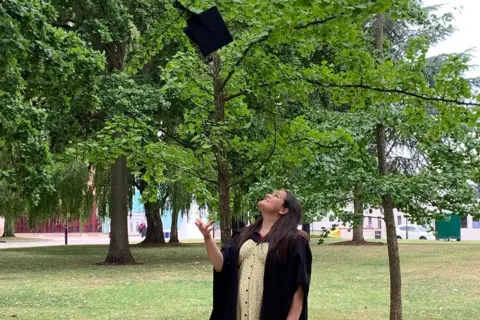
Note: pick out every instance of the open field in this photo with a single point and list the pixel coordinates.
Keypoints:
(441, 281)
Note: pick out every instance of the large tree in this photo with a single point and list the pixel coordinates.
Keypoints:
(48, 77)
(251, 71)
(113, 28)
(399, 99)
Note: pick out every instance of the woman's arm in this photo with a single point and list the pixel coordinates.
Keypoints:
(214, 254)
(297, 304)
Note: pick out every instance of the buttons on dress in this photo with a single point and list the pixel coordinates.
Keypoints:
(252, 258)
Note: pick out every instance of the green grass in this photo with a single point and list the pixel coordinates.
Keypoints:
(441, 281)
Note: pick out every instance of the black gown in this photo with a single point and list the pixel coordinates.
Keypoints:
(281, 281)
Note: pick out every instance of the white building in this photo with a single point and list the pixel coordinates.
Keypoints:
(186, 225)
(373, 222)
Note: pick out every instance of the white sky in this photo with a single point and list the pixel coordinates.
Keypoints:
(467, 36)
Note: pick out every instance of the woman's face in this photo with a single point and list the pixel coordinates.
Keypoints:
(273, 203)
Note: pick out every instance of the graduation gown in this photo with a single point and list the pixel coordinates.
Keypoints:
(281, 281)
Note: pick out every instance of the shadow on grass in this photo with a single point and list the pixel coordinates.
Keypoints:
(167, 245)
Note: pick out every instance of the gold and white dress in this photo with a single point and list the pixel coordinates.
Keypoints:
(251, 272)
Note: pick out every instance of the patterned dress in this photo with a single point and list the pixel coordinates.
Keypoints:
(255, 285)
(251, 272)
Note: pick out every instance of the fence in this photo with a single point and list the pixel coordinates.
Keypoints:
(57, 225)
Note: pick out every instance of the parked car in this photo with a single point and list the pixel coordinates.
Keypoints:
(414, 232)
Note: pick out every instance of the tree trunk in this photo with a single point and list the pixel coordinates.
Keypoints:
(223, 174)
(155, 233)
(238, 224)
(174, 228)
(9, 229)
(393, 254)
(387, 203)
(358, 213)
(306, 228)
(119, 250)
(154, 224)
(238, 219)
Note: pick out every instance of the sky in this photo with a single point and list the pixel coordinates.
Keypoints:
(467, 36)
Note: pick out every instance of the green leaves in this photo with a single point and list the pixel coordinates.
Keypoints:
(300, 88)
(45, 72)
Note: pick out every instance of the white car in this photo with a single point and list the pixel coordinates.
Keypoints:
(414, 232)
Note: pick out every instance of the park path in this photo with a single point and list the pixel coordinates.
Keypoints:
(60, 241)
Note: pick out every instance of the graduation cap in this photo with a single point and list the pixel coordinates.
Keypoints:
(206, 29)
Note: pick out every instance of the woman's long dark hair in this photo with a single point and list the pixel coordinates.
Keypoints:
(284, 232)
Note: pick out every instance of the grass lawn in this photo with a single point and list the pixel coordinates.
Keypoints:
(441, 281)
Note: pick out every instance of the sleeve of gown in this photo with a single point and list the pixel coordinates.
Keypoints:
(303, 264)
(222, 282)
(227, 252)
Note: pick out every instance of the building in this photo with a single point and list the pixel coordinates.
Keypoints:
(373, 224)
(57, 225)
(95, 224)
(186, 225)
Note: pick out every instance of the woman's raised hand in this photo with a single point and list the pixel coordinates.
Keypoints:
(205, 229)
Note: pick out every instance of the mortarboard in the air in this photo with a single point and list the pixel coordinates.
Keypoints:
(206, 29)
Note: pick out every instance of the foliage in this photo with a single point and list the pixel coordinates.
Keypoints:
(301, 87)
(262, 74)
(276, 134)
(416, 186)
(47, 74)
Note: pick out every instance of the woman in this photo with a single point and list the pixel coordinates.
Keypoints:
(264, 272)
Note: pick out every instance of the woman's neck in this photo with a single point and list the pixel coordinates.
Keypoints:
(267, 224)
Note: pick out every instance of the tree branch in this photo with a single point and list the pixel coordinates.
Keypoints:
(394, 144)
(177, 140)
(316, 143)
(265, 38)
(244, 54)
(192, 172)
(236, 95)
(397, 91)
(316, 22)
(270, 154)
(203, 88)
(207, 133)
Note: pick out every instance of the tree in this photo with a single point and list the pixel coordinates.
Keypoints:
(47, 74)
(114, 28)
(387, 203)
(389, 197)
(153, 213)
(166, 122)
(234, 72)
(9, 229)
(179, 202)
(399, 33)
(393, 102)
(358, 204)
